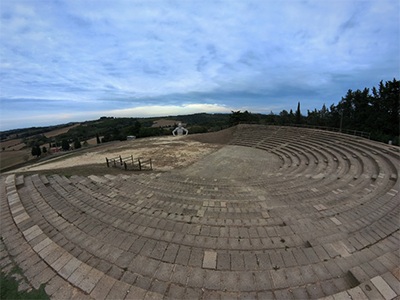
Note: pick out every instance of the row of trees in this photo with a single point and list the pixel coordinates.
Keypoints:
(375, 111)
(107, 129)
(36, 151)
(237, 117)
(65, 146)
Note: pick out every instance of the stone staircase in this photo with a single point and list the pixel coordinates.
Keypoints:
(280, 213)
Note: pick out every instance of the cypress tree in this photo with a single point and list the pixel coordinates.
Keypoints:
(298, 114)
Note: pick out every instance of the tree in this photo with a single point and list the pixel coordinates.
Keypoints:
(313, 117)
(77, 144)
(291, 117)
(136, 128)
(357, 110)
(36, 151)
(39, 152)
(197, 129)
(334, 120)
(385, 104)
(284, 117)
(150, 131)
(324, 115)
(44, 149)
(116, 135)
(132, 130)
(271, 118)
(106, 138)
(65, 145)
(298, 114)
(243, 117)
(346, 110)
(97, 138)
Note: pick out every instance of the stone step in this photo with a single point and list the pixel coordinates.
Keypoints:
(319, 226)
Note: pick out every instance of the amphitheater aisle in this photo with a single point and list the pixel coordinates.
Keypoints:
(279, 213)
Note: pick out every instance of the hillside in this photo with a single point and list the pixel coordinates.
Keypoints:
(16, 145)
(166, 152)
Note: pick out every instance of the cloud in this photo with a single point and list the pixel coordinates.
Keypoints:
(349, 24)
(161, 110)
(139, 53)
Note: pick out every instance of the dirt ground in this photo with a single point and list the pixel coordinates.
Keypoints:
(165, 123)
(59, 131)
(93, 141)
(10, 157)
(166, 153)
(14, 153)
(10, 144)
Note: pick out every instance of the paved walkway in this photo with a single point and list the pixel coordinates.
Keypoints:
(281, 213)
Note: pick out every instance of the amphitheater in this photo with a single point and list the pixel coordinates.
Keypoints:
(278, 213)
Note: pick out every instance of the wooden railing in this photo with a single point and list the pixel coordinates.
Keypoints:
(346, 131)
(128, 163)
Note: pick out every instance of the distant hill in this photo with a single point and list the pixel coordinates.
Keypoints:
(106, 125)
(166, 123)
(16, 144)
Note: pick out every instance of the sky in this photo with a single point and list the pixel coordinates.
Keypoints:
(71, 61)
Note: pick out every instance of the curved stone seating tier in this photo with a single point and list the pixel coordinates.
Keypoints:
(280, 213)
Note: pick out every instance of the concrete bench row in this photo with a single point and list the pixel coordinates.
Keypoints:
(322, 226)
(220, 256)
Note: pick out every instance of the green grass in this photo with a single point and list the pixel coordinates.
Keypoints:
(9, 289)
(9, 285)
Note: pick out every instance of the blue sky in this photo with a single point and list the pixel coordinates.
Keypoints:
(63, 61)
